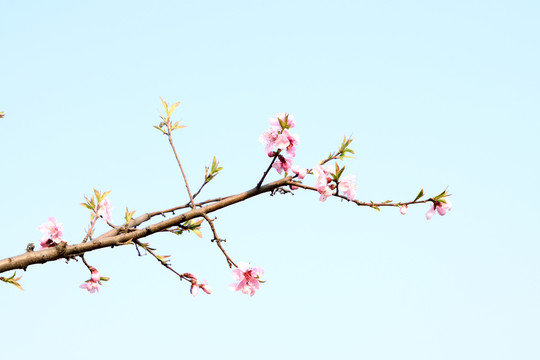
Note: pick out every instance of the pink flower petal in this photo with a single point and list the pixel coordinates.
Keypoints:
(205, 287)
(430, 212)
(194, 289)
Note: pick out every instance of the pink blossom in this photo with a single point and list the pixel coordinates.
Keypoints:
(194, 288)
(279, 136)
(205, 287)
(91, 286)
(268, 138)
(95, 277)
(53, 233)
(440, 207)
(348, 187)
(323, 179)
(322, 173)
(291, 150)
(247, 277)
(190, 276)
(283, 164)
(104, 210)
(403, 209)
(293, 141)
(325, 192)
(299, 171)
(282, 140)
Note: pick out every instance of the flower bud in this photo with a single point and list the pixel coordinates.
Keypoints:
(403, 209)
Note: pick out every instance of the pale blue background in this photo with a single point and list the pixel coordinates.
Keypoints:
(436, 94)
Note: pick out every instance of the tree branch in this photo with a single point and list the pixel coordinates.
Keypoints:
(115, 237)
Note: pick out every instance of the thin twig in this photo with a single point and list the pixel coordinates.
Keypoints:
(162, 212)
(90, 229)
(181, 169)
(161, 261)
(360, 203)
(267, 170)
(85, 263)
(218, 241)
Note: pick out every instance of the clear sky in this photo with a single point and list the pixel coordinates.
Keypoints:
(435, 94)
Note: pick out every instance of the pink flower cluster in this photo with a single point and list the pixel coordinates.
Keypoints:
(53, 233)
(195, 286)
(247, 277)
(92, 284)
(325, 187)
(279, 136)
(440, 207)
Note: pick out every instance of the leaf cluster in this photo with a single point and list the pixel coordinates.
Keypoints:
(342, 152)
(212, 172)
(165, 126)
(12, 280)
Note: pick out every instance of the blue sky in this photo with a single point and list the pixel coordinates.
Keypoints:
(435, 94)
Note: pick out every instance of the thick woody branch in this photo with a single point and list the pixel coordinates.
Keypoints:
(115, 237)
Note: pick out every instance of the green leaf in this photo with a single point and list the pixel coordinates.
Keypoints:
(87, 206)
(341, 172)
(98, 196)
(441, 196)
(374, 206)
(12, 280)
(165, 106)
(420, 194)
(197, 232)
(104, 195)
(129, 215)
(160, 129)
(173, 107)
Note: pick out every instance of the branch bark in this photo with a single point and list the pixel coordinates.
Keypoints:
(115, 237)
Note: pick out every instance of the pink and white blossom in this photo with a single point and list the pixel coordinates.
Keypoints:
(403, 209)
(95, 277)
(247, 277)
(53, 233)
(104, 210)
(279, 137)
(299, 171)
(325, 192)
(347, 186)
(205, 287)
(283, 163)
(190, 276)
(440, 207)
(194, 289)
(268, 138)
(283, 140)
(322, 181)
(91, 286)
